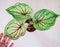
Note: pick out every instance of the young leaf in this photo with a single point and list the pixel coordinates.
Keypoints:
(20, 11)
(44, 19)
(14, 29)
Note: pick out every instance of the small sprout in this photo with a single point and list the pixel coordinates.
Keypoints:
(43, 20)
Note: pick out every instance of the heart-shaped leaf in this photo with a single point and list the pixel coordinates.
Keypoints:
(20, 11)
(44, 19)
(14, 29)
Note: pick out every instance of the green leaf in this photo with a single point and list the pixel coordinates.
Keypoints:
(14, 29)
(20, 11)
(44, 19)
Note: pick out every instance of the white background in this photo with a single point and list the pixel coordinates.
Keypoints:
(49, 38)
